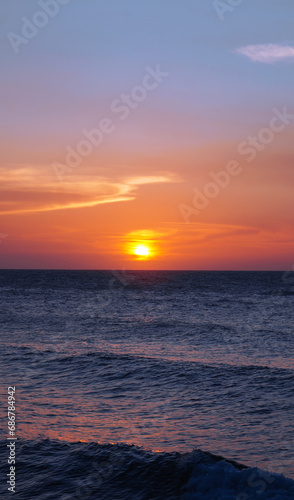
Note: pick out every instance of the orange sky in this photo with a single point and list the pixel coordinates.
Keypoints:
(195, 104)
(89, 221)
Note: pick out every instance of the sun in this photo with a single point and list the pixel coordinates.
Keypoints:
(141, 245)
(142, 251)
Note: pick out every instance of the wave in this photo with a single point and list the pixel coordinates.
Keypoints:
(48, 470)
(50, 358)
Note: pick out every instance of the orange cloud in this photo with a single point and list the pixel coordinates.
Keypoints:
(34, 189)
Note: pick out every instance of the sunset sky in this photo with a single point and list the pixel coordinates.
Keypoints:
(160, 123)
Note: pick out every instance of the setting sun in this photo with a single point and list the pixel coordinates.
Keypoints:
(141, 251)
(142, 245)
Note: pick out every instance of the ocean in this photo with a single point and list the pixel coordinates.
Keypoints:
(148, 385)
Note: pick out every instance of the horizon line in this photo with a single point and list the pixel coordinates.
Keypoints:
(150, 270)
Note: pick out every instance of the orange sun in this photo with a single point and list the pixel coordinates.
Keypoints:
(141, 245)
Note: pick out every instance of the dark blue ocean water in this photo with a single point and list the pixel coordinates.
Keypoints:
(134, 385)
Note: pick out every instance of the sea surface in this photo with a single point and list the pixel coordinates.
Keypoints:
(149, 385)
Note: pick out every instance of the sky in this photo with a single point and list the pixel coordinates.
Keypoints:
(147, 134)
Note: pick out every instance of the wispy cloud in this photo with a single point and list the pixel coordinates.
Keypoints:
(267, 53)
(154, 179)
(26, 188)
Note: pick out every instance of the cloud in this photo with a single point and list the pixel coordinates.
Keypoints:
(154, 179)
(267, 53)
(26, 188)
